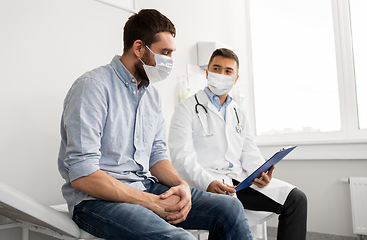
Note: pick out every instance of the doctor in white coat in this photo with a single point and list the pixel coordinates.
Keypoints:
(211, 143)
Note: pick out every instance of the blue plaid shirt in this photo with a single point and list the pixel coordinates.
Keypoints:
(110, 124)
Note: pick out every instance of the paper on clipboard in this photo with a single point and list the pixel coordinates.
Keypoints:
(265, 167)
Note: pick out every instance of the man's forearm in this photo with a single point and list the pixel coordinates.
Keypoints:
(101, 185)
(166, 174)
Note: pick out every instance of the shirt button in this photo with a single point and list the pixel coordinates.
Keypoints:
(133, 80)
(136, 139)
(134, 92)
(126, 83)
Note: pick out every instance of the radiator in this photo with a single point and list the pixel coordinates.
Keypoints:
(358, 194)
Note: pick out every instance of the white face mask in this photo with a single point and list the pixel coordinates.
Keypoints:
(220, 84)
(161, 70)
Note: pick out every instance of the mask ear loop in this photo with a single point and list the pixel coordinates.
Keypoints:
(142, 61)
(150, 49)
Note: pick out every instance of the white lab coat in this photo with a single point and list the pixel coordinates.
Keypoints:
(201, 159)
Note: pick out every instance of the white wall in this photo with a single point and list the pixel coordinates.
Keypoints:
(46, 44)
(329, 205)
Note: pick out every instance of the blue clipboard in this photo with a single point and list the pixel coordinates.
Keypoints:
(265, 167)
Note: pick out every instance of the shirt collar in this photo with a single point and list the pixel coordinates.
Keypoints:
(123, 74)
(214, 99)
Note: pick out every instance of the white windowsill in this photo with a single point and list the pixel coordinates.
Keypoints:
(323, 149)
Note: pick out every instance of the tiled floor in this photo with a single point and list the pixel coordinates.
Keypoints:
(272, 232)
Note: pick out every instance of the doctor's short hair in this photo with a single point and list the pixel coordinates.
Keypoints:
(145, 25)
(224, 52)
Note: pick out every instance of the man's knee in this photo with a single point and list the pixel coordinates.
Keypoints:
(296, 200)
(300, 197)
(233, 208)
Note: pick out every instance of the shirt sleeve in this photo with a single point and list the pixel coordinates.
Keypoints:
(85, 110)
(182, 150)
(159, 146)
(251, 157)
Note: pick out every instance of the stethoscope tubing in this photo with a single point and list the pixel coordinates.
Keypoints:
(198, 104)
(207, 134)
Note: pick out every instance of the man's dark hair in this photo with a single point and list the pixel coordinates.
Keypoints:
(145, 25)
(224, 52)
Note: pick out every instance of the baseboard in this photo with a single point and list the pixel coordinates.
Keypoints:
(272, 234)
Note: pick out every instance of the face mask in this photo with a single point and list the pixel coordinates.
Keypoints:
(161, 70)
(220, 84)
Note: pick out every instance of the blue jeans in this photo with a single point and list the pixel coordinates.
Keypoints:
(116, 220)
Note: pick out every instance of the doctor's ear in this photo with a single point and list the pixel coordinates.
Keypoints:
(206, 73)
(138, 48)
(235, 81)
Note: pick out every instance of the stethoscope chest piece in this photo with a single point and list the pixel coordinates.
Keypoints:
(238, 128)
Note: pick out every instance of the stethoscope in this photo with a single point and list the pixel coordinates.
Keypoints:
(208, 134)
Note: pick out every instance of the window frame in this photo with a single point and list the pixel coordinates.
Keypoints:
(348, 143)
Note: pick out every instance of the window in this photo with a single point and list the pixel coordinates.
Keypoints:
(358, 19)
(308, 76)
(298, 87)
(294, 67)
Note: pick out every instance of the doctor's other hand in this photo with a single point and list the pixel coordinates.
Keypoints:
(220, 188)
(265, 178)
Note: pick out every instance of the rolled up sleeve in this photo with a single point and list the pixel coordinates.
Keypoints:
(85, 111)
(159, 147)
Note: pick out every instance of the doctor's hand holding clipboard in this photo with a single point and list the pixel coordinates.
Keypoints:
(265, 178)
(262, 176)
(223, 188)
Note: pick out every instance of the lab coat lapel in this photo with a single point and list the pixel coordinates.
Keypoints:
(213, 109)
(230, 114)
(209, 106)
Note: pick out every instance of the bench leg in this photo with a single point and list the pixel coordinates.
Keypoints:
(25, 233)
